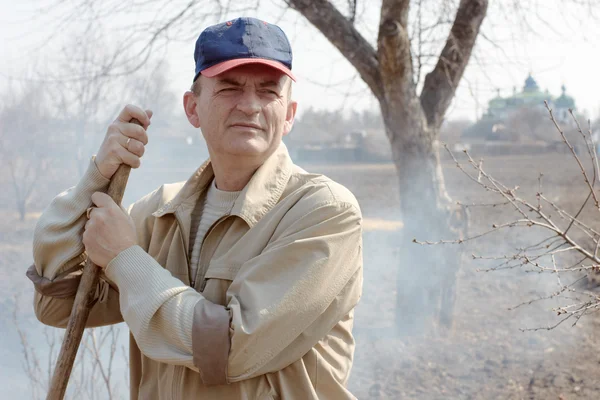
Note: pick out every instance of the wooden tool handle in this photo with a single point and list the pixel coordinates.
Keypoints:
(83, 301)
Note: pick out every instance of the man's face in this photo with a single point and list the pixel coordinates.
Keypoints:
(243, 112)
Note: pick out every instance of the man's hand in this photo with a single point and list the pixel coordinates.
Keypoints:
(109, 230)
(124, 141)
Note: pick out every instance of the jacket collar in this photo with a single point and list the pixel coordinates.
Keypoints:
(257, 198)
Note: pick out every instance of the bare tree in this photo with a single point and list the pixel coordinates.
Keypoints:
(412, 122)
(25, 140)
(82, 88)
(150, 88)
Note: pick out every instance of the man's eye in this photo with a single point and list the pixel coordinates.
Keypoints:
(269, 91)
(231, 89)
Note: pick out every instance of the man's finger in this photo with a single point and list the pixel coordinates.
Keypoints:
(134, 131)
(130, 111)
(103, 200)
(133, 146)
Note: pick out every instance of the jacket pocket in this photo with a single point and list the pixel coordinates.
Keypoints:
(217, 280)
(224, 271)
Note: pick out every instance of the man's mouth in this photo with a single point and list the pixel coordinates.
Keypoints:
(247, 125)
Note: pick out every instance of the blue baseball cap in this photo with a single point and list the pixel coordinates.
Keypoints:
(241, 41)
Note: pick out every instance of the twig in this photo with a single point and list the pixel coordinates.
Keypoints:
(585, 176)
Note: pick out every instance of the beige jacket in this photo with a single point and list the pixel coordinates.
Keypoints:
(272, 311)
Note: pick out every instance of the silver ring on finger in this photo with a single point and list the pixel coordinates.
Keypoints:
(127, 143)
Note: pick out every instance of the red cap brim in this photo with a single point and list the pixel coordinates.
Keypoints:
(229, 64)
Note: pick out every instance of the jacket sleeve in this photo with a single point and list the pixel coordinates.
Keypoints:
(59, 257)
(280, 304)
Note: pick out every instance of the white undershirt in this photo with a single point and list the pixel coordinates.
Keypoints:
(217, 203)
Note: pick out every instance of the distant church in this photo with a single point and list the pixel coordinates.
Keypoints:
(500, 108)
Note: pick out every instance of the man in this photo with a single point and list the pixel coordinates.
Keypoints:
(237, 284)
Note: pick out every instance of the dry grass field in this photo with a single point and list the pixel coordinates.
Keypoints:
(484, 356)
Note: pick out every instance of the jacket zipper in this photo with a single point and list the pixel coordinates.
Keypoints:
(201, 271)
(177, 370)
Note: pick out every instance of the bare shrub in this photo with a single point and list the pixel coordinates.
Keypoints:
(25, 140)
(93, 375)
(570, 240)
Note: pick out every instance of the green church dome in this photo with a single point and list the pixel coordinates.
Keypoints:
(564, 101)
(530, 85)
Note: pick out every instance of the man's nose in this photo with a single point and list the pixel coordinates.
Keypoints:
(249, 102)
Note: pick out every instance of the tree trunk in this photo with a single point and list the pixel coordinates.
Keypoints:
(427, 275)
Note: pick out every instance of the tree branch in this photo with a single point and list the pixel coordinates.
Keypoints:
(441, 83)
(394, 51)
(395, 9)
(344, 36)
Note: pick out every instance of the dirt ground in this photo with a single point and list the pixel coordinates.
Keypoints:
(484, 356)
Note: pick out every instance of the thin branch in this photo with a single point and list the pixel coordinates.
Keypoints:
(583, 171)
(495, 228)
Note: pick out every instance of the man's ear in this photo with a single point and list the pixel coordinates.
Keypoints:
(289, 118)
(189, 105)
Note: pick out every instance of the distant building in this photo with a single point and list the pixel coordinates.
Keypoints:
(522, 117)
(501, 108)
(562, 105)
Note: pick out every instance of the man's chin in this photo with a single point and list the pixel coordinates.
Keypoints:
(247, 150)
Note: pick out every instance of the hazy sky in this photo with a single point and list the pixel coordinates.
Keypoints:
(558, 46)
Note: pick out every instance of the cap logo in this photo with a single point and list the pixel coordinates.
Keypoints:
(229, 23)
